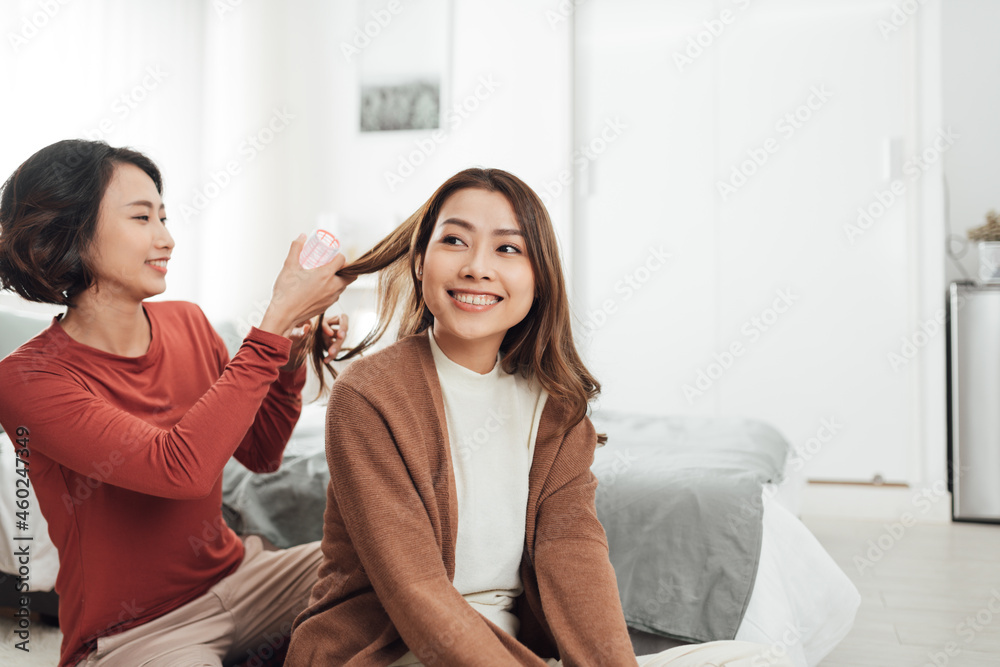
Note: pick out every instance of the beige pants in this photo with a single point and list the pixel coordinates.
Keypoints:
(247, 615)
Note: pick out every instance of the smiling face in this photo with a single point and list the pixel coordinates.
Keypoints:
(477, 279)
(131, 246)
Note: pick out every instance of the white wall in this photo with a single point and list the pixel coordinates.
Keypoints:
(129, 73)
(265, 56)
(276, 71)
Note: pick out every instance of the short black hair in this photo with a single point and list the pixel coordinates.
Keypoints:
(48, 217)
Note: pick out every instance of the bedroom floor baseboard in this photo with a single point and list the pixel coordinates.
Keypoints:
(884, 503)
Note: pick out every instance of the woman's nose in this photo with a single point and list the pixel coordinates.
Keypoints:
(479, 265)
(165, 240)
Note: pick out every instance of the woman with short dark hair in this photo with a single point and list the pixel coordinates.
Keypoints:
(125, 412)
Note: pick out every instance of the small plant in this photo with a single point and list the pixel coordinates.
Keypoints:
(990, 232)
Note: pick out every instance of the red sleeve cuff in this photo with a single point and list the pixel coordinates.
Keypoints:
(291, 382)
(279, 344)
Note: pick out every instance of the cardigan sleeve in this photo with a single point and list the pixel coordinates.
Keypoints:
(576, 582)
(390, 529)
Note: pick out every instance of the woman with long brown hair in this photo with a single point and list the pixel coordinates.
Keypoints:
(460, 526)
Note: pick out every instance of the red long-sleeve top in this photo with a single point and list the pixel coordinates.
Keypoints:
(125, 455)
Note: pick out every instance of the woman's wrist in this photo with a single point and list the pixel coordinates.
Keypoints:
(276, 322)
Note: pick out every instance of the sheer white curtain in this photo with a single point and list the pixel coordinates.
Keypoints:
(231, 98)
(130, 73)
(253, 118)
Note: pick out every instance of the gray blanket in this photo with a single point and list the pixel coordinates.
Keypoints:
(679, 499)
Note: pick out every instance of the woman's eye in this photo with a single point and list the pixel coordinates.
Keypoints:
(452, 240)
(142, 217)
(163, 220)
(509, 249)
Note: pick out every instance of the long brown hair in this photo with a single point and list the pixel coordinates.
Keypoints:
(541, 345)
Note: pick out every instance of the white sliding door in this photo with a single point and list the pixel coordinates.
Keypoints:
(753, 134)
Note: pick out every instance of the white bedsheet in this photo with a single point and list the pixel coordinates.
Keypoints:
(802, 602)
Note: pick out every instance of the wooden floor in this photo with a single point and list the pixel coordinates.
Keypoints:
(930, 593)
(930, 596)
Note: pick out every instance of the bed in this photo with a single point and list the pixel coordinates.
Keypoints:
(700, 524)
(699, 513)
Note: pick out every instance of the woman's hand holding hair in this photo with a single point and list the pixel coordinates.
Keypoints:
(334, 338)
(334, 334)
(301, 294)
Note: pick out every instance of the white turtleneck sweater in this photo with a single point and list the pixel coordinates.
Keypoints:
(492, 425)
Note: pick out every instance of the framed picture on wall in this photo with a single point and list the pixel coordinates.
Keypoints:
(403, 67)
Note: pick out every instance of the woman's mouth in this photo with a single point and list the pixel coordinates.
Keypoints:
(158, 264)
(473, 301)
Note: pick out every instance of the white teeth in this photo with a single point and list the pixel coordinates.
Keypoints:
(476, 300)
(162, 263)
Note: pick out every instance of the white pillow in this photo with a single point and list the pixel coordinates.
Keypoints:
(44, 563)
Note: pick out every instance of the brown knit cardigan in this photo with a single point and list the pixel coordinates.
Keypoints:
(390, 527)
